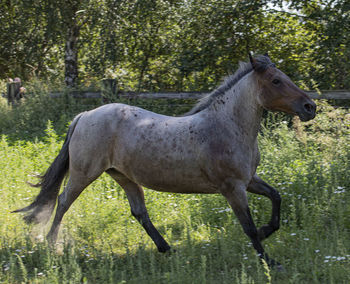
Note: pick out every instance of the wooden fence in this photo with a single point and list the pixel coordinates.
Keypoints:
(325, 95)
(110, 92)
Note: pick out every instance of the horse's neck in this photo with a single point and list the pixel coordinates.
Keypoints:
(241, 108)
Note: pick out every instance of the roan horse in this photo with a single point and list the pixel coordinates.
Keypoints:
(211, 149)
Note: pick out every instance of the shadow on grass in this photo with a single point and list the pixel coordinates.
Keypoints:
(192, 262)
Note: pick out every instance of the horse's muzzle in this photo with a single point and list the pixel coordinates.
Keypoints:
(307, 110)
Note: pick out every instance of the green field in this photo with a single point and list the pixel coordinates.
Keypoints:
(100, 241)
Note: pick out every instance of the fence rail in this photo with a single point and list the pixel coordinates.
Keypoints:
(330, 95)
(109, 91)
(324, 95)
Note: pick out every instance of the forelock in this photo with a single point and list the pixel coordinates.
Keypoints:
(262, 62)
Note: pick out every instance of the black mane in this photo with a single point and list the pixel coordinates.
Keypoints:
(262, 62)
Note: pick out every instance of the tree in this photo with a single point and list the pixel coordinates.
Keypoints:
(25, 42)
(329, 21)
(173, 44)
(71, 16)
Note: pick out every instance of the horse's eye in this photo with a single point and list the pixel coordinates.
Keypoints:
(276, 81)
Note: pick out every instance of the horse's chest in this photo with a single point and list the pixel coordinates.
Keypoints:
(237, 161)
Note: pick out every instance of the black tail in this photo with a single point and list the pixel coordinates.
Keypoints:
(43, 205)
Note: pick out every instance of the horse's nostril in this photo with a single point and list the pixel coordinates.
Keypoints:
(308, 107)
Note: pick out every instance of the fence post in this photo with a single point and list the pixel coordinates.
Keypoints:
(13, 91)
(109, 90)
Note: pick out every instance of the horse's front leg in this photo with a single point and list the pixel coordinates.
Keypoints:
(258, 186)
(236, 195)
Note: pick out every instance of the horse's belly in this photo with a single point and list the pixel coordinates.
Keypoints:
(181, 187)
(178, 179)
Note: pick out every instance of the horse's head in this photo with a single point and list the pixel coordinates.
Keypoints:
(278, 92)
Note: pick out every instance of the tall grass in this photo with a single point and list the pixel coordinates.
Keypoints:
(100, 241)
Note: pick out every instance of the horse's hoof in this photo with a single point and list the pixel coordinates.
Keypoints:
(276, 266)
(165, 249)
(279, 268)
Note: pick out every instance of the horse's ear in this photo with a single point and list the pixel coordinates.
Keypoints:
(252, 60)
(267, 55)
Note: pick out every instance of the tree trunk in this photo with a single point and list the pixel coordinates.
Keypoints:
(71, 56)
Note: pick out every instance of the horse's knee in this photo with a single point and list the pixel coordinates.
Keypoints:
(135, 214)
(140, 215)
(276, 197)
(275, 226)
(276, 203)
(250, 231)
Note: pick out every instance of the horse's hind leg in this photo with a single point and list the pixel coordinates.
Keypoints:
(134, 193)
(258, 186)
(76, 184)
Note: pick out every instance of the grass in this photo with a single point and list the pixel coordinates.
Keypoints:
(100, 242)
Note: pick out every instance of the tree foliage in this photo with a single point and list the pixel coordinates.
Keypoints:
(175, 44)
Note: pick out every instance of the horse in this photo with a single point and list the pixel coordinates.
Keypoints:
(213, 149)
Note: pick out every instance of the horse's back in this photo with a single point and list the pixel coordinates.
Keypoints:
(100, 130)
